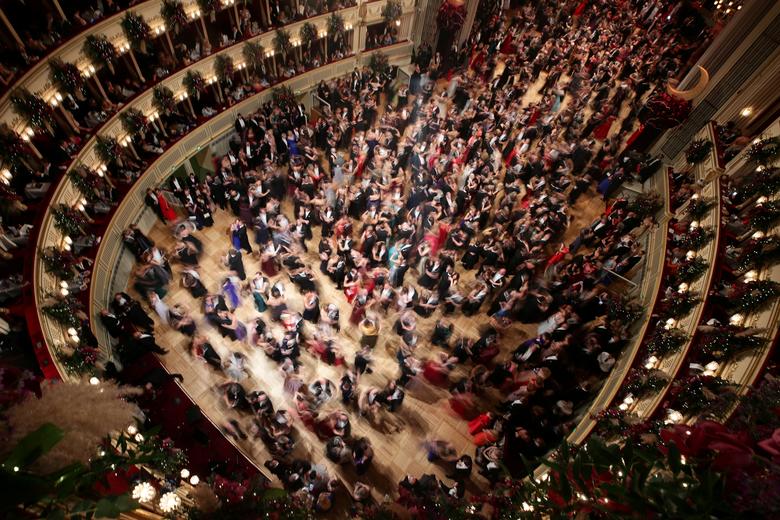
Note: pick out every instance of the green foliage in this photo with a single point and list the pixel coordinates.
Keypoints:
(253, 54)
(85, 182)
(692, 396)
(223, 67)
(335, 24)
(99, 50)
(162, 99)
(754, 296)
(699, 207)
(31, 108)
(206, 6)
(62, 312)
(69, 221)
(79, 360)
(723, 345)
(107, 149)
(759, 253)
(283, 96)
(645, 204)
(57, 262)
(678, 304)
(641, 382)
(695, 239)
(194, 83)
(282, 43)
(764, 152)
(65, 76)
(765, 215)
(308, 34)
(691, 270)
(12, 148)
(697, 151)
(625, 310)
(378, 63)
(391, 11)
(135, 28)
(172, 12)
(665, 342)
(133, 121)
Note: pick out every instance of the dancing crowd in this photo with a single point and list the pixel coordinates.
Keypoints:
(437, 203)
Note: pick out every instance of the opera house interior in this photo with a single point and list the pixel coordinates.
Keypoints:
(389, 259)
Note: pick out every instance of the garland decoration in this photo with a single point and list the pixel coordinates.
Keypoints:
(284, 97)
(391, 11)
(282, 42)
(624, 310)
(107, 149)
(162, 99)
(135, 28)
(85, 183)
(759, 252)
(335, 24)
(765, 181)
(194, 83)
(698, 151)
(68, 221)
(451, 15)
(253, 54)
(748, 297)
(172, 12)
(31, 108)
(133, 121)
(308, 34)
(99, 50)
(223, 67)
(78, 360)
(378, 63)
(645, 204)
(691, 270)
(695, 239)
(12, 148)
(726, 343)
(65, 76)
(57, 262)
(641, 382)
(765, 215)
(62, 313)
(699, 207)
(691, 396)
(665, 342)
(764, 152)
(679, 304)
(207, 6)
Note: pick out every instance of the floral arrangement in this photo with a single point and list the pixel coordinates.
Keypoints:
(69, 221)
(695, 239)
(85, 183)
(335, 24)
(107, 149)
(378, 63)
(391, 11)
(765, 181)
(691, 270)
(692, 395)
(133, 121)
(697, 151)
(62, 313)
(699, 207)
(726, 343)
(764, 152)
(679, 304)
(162, 99)
(625, 310)
(282, 41)
(662, 110)
(12, 148)
(223, 67)
(172, 12)
(308, 34)
(207, 6)
(253, 54)
(765, 215)
(135, 28)
(65, 76)
(641, 381)
(645, 204)
(78, 360)
(194, 83)
(99, 50)
(759, 252)
(284, 97)
(451, 15)
(665, 342)
(57, 262)
(753, 296)
(31, 108)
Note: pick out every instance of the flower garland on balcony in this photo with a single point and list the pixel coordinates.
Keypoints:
(758, 252)
(12, 148)
(335, 24)
(308, 34)
(162, 99)
(378, 63)
(726, 343)
(136, 29)
(282, 42)
(625, 310)
(86, 183)
(678, 304)
(99, 50)
(451, 15)
(62, 312)
(699, 207)
(645, 204)
(207, 6)
(690, 270)
(69, 221)
(107, 149)
(643, 381)
(172, 12)
(391, 11)
(194, 83)
(692, 395)
(697, 151)
(133, 121)
(284, 96)
(65, 76)
(57, 262)
(765, 214)
(665, 342)
(78, 360)
(765, 152)
(695, 239)
(748, 297)
(253, 54)
(223, 67)
(31, 108)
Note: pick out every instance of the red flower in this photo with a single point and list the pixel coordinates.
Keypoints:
(772, 445)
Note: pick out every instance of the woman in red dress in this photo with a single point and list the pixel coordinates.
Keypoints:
(167, 211)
